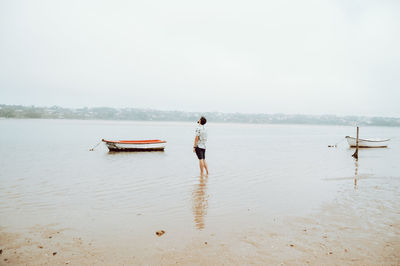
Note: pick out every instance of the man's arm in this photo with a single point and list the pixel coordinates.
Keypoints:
(196, 139)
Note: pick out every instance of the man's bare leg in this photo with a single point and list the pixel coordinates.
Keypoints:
(201, 166)
(205, 166)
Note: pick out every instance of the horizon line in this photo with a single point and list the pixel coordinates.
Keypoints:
(203, 112)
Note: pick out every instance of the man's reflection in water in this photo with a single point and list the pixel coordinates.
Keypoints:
(200, 202)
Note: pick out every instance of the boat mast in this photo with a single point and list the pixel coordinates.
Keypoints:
(355, 155)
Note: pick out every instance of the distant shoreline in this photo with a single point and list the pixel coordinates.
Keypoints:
(137, 114)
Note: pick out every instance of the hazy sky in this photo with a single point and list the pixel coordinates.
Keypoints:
(312, 57)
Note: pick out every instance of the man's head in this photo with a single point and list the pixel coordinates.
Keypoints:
(202, 120)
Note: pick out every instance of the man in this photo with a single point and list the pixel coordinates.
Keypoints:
(199, 146)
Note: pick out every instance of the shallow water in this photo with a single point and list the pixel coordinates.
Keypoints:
(257, 173)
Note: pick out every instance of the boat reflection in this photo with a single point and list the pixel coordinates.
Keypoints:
(200, 202)
(355, 173)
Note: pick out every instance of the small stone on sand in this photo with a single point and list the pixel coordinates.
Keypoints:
(54, 253)
(160, 232)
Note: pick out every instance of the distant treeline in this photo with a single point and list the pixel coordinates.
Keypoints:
(107, 113)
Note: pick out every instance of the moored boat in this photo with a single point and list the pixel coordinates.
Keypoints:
(135, 145)
(367, 143)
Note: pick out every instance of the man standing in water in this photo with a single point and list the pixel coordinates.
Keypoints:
(199, 146)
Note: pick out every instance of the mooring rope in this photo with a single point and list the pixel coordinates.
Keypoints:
(92, 149)
(334, 146)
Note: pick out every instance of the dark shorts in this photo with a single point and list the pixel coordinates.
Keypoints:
(201, 153)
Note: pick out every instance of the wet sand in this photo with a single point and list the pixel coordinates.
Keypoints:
(337, 235)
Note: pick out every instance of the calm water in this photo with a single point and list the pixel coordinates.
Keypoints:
(48, 175)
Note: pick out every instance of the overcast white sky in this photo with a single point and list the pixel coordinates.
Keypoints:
(313, 57)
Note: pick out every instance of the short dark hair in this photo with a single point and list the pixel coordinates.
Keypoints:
(203, 120)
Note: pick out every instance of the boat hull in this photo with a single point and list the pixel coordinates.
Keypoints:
(367, 143)
(142, 145)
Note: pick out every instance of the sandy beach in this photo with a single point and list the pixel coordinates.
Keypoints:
(338, 235)
(341, 233)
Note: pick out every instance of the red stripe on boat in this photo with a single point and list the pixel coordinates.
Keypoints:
(136, 141)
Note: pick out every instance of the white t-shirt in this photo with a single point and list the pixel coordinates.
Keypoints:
(201, 132)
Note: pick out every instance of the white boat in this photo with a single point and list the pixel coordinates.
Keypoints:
(367, 143)
(135, 145)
